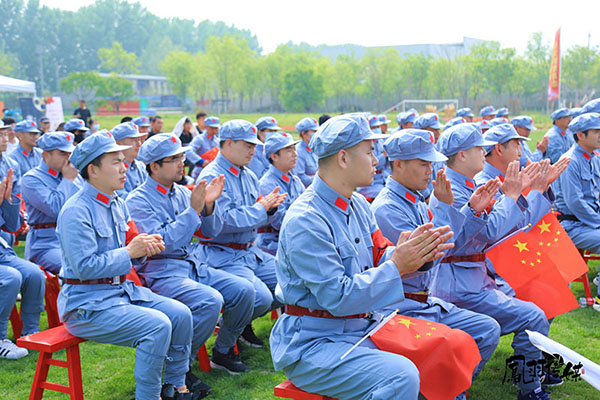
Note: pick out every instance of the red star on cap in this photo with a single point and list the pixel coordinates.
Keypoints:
(108, 133)
(173, 139)
(435, 117)
(254, 129)
(273, 121)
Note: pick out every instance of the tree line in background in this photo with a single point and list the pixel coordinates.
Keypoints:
(214, 61)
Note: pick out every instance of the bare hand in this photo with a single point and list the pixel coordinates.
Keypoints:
(442, 189)
(3, 184)
(198, 196)
(540, 179)
(422, 245)
(557, 168)
(273, 199)
(542, 145)
(144, 245)
(483, 196)
(528, 174)
(69, 171)
(24, 228)
(213, 191)
(9, 185)
(511, 186)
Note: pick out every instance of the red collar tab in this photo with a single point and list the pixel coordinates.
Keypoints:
(26, 153)
(341, 204)
(596, 153)
(102, 198)
(308, 149)
(469, 184)
(234, 170)
(562, 133)
(52, 172)
(285, 178)
(501, 178)
(411, 197)
(126, 165)
(587, 156)
(161, 189)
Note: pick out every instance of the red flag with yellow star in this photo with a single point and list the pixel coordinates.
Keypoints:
(540, 264)
(445, 357)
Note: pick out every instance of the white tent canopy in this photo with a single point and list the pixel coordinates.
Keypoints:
(16, 85)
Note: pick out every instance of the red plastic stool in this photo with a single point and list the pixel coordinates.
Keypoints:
(587, 256)
(287, 390)
(48, 342)
(15, 322)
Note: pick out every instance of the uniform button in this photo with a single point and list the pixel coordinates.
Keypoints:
(176, 212)
(356, 240)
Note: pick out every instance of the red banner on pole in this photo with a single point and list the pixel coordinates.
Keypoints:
(554, 81)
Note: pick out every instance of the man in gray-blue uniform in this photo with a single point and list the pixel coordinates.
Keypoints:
(465, 113)
(45, 189)
(306, 166)
(462, 277)
(16, 274)
(405, 120)
(384, 122)
(243, 211)
(454, 121)
(143, 124)
(205, 146)
(97, 302)
(382, 168)
(523, 124)
(26, 154)
(265, 126)
(326, 275)
(558, 139)
(487, 113)
(280, 150)
(162, 206)
(578, 188)
(128, 134)
(78, 128)
(502, 113)
(430, 122)
(400, 207)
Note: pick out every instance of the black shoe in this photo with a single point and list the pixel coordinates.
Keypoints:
(537, 394)
(550, 380)
(199, 388)
(169, 392)
(248, 337)
(229, 362)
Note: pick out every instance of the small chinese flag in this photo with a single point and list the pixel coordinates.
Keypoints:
(445, 357)
(211, 154)
(540, 264)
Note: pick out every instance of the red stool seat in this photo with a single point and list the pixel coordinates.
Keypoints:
(287, 390)
(587, 256)
(48, 342)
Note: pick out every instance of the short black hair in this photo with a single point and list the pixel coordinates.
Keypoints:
(96, 162)
(126, 119)
(270, 159)
(8, 120)
(149, 170)
(201, 114)
(323, 118)
(576, 138)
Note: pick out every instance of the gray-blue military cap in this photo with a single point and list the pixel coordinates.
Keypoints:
(340, 133)
(56, 141)
(501, 134)
(460, 138)
(239, 129)
(410, 144)
(161, 146)
(585, 122)
(94, 146)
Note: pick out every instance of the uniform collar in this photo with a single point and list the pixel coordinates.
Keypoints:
(409, 195)
(492, 171)
(23, 151)
(52, 172)
(585, 154)
(287, 178)
(154, 186)
(98, 196)
(228, 165)
(456, 178)
(336, 200)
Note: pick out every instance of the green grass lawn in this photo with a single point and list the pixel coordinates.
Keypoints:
(108, 370)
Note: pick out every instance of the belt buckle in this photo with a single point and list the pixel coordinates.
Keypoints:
(116, 280)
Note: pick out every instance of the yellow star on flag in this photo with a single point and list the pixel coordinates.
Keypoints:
(544, 227)
(405, 322)
(428, 333)
(417, 336)
(521, 246)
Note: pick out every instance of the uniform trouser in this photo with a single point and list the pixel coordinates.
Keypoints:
(161, 331)
(514, 316)
(584, 237)
(366, 373)
(204, 302)
(484, 329)
(49, 259)
(264, 280)
(20, 275)
(239, 296)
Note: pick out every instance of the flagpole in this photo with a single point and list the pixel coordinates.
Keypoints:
(369, 334)
(559, 66)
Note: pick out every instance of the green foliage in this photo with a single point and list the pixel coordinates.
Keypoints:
(303, 88)
(116, 87)
(179, 68)
(117, 60)
(82, 84)
(580, 70)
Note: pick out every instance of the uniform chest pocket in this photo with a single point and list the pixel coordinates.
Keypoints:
(347, 251)
(103, 232)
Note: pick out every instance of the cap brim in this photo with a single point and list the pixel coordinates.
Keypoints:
(67, 149)
(180, 150)
(376, 136)
(253, 141)
(116, 147)
(523, 138)
(213, 126)
(82, 128)
(434, 156)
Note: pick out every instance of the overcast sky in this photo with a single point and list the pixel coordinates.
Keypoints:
(386, 23)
